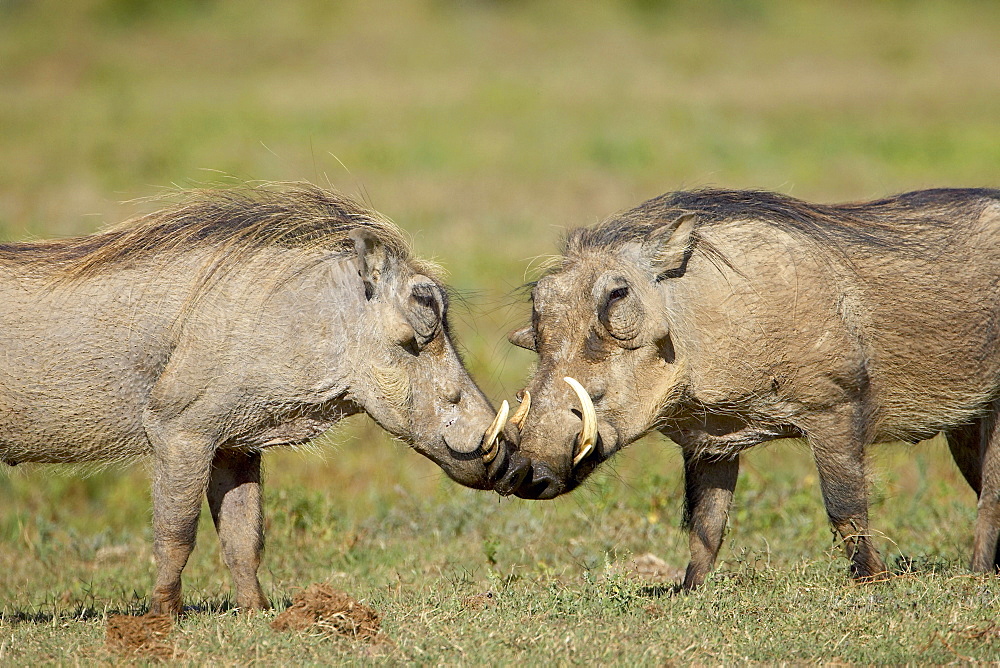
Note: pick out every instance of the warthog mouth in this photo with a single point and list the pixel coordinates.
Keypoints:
(585, 440)
(531, 479)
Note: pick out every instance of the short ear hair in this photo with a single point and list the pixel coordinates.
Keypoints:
(668, 247)
(372, 258)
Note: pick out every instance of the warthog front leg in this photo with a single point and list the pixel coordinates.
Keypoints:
(234, 497)
(839, 453)
(181, 467)
(708, 493)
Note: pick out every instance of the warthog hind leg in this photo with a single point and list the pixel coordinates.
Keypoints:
(964, 443)
(234, 497)
(708, 493)
(986, 547)
(975, 450)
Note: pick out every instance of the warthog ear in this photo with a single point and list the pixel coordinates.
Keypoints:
(523, 338)
(425, 309)
(669, 247)
(372, 258)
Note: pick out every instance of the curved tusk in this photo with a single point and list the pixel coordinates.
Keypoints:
(522, 411)
(490, 444)
(585, 449)
(588, 431)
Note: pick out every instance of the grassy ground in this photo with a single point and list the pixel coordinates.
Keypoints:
(486, 129)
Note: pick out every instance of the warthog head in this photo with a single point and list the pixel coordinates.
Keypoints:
(606, 362)
(409, 377)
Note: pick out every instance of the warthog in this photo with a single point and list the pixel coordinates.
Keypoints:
(725, 319)
(230, 322)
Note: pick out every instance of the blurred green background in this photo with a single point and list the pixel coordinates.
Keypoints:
(486, 129)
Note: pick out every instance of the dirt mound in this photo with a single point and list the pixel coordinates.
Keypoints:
(145, 636)
(321, 607)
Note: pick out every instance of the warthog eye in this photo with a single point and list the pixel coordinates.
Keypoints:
(425, 300)
(621, 313)
(617, 294)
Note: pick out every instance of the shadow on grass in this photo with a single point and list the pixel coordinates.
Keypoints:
(907, 565)
(138, 608)
(662, 590)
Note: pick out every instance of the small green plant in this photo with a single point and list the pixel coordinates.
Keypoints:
(491, 544)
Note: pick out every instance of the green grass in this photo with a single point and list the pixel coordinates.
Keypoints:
(486, 129)
(415, 546)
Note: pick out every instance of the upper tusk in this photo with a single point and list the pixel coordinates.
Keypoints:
(522, 411)
(588, 431)
(490, 445)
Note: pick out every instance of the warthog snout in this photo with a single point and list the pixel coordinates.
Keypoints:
(588, 435)
(530, 476)
(529, 480)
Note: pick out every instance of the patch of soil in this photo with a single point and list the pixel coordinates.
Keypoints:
(479, 601)
(321, 607)
(654, 610)
(650, 568)
(145, 636)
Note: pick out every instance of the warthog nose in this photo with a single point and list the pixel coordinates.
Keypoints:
(542, 483)
(510, 479)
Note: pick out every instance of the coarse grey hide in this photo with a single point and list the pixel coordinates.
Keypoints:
(224, 324)
(725, 319)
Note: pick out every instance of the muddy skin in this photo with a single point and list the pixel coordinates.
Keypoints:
(726, 319)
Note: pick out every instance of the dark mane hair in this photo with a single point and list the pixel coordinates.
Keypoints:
(876, 224)
(236, 222)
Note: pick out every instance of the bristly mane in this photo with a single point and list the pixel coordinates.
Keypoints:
(876, 224)
(238, 222)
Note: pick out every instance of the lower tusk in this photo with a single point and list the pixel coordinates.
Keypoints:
(490, 455)
(588, 430)
(517, 419)
(490, 441)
